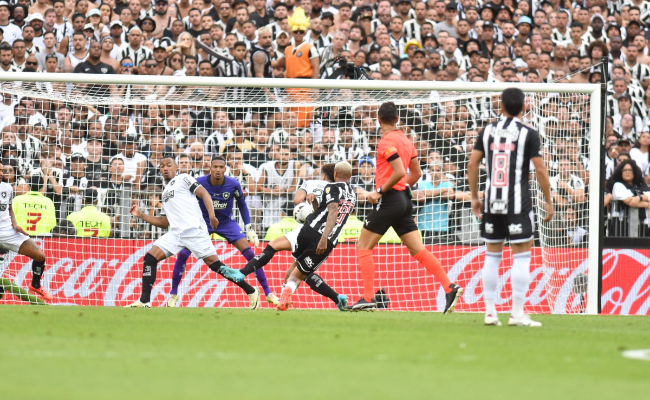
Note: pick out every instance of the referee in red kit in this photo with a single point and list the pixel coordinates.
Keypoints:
(393, 208)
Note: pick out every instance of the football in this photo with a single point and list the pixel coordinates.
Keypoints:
(301, 212)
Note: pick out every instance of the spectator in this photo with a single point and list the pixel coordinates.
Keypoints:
(641, 154)
(433, 197)
(629, 193)
(89, 221)
(363, 184)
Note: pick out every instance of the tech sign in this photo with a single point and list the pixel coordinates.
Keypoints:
(107, 272)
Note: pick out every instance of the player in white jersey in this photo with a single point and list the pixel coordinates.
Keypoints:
(187, 228)
(14, 238)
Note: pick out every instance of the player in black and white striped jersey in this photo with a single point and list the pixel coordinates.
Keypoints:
(509, 146)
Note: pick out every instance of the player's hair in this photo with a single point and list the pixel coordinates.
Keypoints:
(217, 157)
(344, 168)
(387, 113)
(513, 101)
(167, 155)
(328, 171)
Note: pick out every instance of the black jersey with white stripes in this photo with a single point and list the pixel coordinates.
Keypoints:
(508, 146)
(340, 193)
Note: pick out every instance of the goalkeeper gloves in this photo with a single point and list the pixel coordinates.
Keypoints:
(251, 236)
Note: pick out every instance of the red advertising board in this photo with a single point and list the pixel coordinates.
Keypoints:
(108, 272)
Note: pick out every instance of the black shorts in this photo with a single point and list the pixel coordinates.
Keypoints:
(394, 209)
(305, 251)
(519, 228)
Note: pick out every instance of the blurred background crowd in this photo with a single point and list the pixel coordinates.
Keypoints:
(73, 156)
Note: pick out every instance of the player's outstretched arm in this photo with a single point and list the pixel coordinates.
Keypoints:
(472, 177)
(207, 201)
(544, 184)
(160, 222)
(332, 215)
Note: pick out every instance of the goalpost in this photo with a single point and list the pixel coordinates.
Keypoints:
(319, 121)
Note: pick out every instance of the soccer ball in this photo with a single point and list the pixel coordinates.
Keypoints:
(301, 212)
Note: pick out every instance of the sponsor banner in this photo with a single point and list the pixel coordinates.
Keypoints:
(108, 272)
(626, 282)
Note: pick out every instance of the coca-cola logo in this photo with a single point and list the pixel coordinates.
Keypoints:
(626, 282)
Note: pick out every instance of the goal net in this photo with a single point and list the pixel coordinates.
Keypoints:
(80, 150)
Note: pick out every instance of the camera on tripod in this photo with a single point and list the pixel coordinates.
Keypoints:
(347, 69)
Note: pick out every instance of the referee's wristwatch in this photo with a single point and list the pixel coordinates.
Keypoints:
(381, 192)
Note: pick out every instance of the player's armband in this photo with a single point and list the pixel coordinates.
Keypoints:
(391, 154)
(194, 186)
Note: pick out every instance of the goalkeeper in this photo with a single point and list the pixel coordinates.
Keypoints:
(224, 190)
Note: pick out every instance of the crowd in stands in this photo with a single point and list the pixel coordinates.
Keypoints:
(79, 155)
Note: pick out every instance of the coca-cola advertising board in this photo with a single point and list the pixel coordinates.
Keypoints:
(108, 272)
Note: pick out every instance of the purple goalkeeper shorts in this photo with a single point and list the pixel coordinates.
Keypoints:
(229, 230)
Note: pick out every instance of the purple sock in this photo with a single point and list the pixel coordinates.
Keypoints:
(249, 254)
(179, 269)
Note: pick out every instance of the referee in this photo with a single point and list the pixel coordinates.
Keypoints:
(393, 208)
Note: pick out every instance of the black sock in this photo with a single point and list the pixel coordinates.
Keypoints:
(149, 270)
(259, 261)
(318, 285)
(37, 272)
(216, 266)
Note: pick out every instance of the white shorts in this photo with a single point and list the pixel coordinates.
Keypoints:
(292, 237)
(195, 240)
(12, 240)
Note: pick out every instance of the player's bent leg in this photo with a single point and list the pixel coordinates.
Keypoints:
(220, 268)
(149, 271)
(259, 261)
(318, 285)
(179, 270)
(367, 241)
(248, 253)
(29, 249)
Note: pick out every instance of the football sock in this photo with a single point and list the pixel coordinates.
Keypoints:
(249, 254)
(216, 267)
(490, 280)
(261, 278)
(292, 286)
(149, 269)
(432, 264)
(367, 265)
(318, 285)
(520, 277)
(259, 261)
(37, 272)
(179, 269)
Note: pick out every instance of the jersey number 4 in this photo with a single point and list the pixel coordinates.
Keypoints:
(500, 166)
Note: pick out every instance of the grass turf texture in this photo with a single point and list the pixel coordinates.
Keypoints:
(114, 353)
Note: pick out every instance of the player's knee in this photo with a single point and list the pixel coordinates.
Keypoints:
(39, 257)
(150, 259)
(183, 255)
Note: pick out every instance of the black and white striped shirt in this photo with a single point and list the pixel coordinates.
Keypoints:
(508, 146)
(640, 71)
(143, 53)
(236, 69)
(340, 193)
(412, 29)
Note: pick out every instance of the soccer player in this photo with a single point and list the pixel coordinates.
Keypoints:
(393, 208)
(14, 238)
(310, 192)
(320, 234)
(508, 147)
(223, 191)
(182, 214)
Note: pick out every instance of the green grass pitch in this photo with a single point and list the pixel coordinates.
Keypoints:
(50, 353)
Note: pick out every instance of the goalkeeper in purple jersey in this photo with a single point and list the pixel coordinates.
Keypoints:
(224, 191)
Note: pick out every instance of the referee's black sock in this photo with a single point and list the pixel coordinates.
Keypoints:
(216, 267)
(37, 272)
(259, 261)
(318, 285)
(149, 270)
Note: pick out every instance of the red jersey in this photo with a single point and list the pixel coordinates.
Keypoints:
(394, 144)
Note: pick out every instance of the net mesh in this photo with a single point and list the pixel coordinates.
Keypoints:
(77, 207)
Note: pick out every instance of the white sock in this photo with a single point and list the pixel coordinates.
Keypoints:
(520, 278)
(292, 285)
(490, 280)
